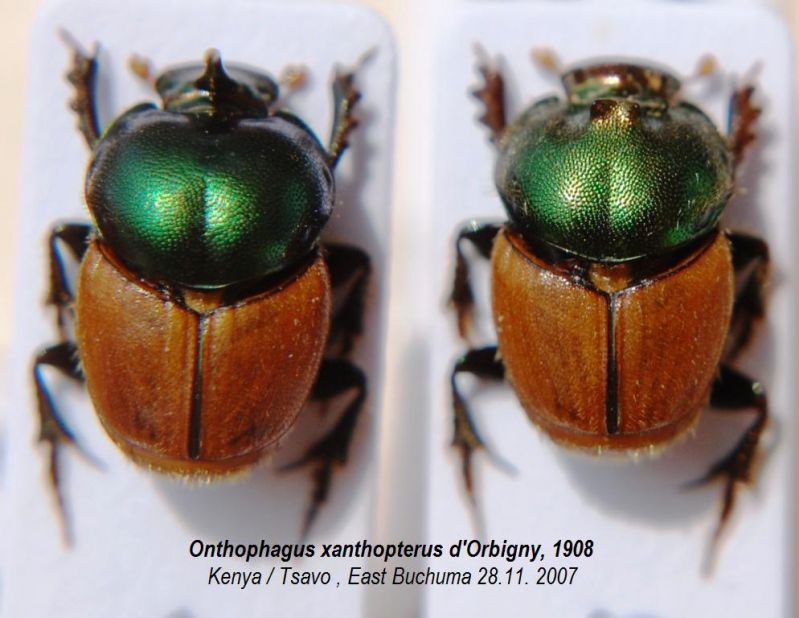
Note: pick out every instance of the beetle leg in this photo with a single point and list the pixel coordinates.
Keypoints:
(52, 429)
(76, 237)
(336, 376)
(750, 257)
(348, 264)
(83, 76)
(734, 391)
(481, 235)
(491, 93)
(345, 98)
(741, 118)
(483, 363)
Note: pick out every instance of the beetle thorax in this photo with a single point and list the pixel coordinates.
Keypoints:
(616, 172)
(206, 206)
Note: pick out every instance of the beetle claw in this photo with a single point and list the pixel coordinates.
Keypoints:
(467, 444)
(734, 468)
(500, 462)
(482, 363)
(724, 468)
(55, 484)
(54, 434)
(323, 457)
(322, 476)
(335, 377)
(467, 441)
(466, 454)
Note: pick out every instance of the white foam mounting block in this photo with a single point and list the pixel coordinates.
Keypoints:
(132, 529)
(650, 537)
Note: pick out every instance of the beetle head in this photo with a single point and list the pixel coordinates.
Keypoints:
(215, 90)
(648, 86)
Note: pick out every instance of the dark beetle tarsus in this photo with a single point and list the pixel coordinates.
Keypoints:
(336, 376)
(482, 363)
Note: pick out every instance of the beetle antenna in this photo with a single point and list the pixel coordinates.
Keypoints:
(292, 78)
(706, 65)
(707, 72)
(142, 68)
(547, 60)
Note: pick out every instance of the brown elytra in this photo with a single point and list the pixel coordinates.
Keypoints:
(190, 385)
(601, 364)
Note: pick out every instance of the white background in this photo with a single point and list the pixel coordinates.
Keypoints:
(415, 387)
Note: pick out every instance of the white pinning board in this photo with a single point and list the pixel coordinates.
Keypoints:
(132, 529)
(649, 536)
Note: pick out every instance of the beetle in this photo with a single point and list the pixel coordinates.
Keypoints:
(203, 310)
(613, 283)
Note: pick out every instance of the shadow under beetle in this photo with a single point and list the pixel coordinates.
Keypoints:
(203, 308)
(613, 285)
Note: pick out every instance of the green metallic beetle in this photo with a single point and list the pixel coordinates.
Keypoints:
(203, 309)
(613, 285)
